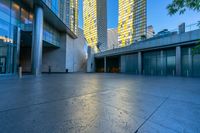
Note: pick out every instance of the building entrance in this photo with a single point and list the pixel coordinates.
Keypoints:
(25, 51)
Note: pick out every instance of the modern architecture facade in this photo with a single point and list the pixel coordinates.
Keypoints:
(34, 33)
(112, 38)
(95, 23)
(165, 55)
(132, 21)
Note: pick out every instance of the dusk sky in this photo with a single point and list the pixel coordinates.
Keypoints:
(157, 15)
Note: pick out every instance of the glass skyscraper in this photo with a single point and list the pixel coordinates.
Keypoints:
(95, 23)
(34, 24)
(132, 21)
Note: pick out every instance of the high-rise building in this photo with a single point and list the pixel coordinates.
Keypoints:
(132, 21)
(150, 31)
(72, 15)
(34, 34)
(112, 38)
(95, 23)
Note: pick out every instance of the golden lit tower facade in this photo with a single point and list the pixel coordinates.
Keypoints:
(132, 21)
(95, 23)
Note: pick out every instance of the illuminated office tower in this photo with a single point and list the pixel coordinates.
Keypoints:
(72, 15)
(95, 23)
(132, 21)
(74, 18)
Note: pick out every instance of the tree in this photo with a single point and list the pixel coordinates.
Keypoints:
(180, 6)
(196, 50)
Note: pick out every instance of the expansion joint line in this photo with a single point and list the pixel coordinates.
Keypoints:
(151, 114)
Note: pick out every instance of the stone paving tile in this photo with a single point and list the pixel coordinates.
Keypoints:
(150, 127)
(138, 104)
(183, 117)
(73, 115)
(110, 103)
(186, 96)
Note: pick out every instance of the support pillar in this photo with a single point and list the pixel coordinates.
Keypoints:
(190, 61)
(105, 65)
(17, 58)
(90, 60)
(140, 62)
(162, 62)
(37, 41)
(122, 63)
(178, 61)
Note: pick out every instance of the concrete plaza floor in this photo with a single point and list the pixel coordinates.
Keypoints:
(99, 103)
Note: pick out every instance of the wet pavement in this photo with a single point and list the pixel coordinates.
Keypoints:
(99, 103)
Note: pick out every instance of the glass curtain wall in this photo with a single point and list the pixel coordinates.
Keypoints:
(131, 63)
(66, 10)
(170, 62)
(190, 62)
(196, 65)
(160, 62)
(9, 20)
(152, 63)
(186, 61)
(51, 35)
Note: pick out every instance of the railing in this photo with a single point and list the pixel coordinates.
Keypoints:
(192, 27)
(188, 28)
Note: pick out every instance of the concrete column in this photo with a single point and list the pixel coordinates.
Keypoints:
(178, 61)
(37, 41)
(140, 62)
(17, 58)
(190, 61)
(90, 60)
(123, 64)
(105, 65)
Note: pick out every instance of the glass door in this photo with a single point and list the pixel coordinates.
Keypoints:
(2, 65)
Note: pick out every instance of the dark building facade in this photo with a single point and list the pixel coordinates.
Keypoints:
(169, 55)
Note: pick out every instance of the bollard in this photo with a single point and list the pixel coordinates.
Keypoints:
(20, 72)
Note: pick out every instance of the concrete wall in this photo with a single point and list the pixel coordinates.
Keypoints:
(51, 57)
(54, 57)
(69, 54)
(123, 64)
(80, 51)
(76, 53)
